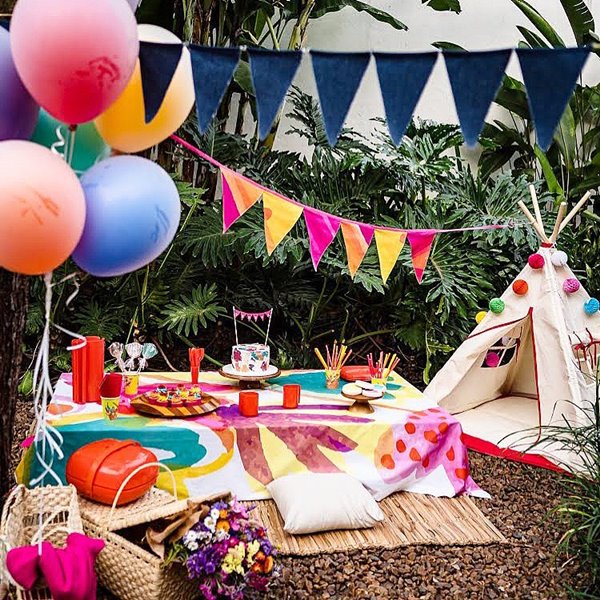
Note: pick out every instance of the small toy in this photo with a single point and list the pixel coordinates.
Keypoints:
(497, 305)
(571, 285)
(536, 261)
(520, 287)
(592, 306)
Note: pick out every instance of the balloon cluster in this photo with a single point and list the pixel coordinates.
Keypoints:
(70, 92)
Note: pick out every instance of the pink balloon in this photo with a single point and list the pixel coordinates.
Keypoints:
(74, 56)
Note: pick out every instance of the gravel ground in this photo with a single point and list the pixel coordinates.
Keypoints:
(525, 568)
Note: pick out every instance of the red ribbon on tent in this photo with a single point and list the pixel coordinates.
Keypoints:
(281, 214)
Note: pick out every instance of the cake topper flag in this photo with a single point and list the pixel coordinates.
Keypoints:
(357, 238)
(239, 194)
(389, 245)
(550, 75)
(420, 247)
(272, 74)
(251, 316)
(475, 78)
(322, 228)
(280, 216)
(212, 69)
(337, 76)
(158, 63)
(402, 78)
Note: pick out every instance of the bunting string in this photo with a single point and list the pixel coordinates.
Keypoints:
(281, 214)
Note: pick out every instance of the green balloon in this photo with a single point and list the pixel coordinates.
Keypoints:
(89, 146)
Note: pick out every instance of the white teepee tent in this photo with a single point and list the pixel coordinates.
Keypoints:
(519, 369)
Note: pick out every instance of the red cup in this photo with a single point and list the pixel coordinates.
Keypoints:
(249, 404)
(291, 395)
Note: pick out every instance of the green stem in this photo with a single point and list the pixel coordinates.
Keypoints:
(273, 34)
(299, 32)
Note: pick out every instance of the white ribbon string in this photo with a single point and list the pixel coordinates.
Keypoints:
(61, 143)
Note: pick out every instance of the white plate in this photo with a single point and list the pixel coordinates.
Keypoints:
(229, 370)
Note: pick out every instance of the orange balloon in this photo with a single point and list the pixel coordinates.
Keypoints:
(122, 125)
(42, 208)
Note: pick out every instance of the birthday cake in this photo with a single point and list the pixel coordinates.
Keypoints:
(250, 358)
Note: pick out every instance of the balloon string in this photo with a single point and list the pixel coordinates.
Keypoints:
(72, 130)
(61, 143)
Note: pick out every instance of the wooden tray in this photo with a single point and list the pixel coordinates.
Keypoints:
(361, 403)
(144, 405)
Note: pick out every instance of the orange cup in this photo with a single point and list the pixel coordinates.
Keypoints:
(291, 395)
(249, 404)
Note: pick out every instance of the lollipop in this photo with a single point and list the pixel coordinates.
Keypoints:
(116, 351)
(134, 351)
(148, 351)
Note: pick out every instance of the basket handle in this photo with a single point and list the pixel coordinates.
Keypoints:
(133, 474)
(36, 538)
(8, 505)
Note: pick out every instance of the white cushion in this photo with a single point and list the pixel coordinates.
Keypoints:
(324, 501)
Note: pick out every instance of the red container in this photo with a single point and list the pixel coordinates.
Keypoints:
(249, 404)
(88, 369)
(98, 469)
(356, 373)
(291, 395)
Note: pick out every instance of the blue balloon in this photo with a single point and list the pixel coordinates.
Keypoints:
(133, 212)
(18, 110)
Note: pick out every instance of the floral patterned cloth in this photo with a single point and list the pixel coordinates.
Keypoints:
(408, 443)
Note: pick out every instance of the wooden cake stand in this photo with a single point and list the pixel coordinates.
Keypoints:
(249, 381)
(361, 403)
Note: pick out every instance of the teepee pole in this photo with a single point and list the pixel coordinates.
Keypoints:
(534, 223)
(536, 207)
(562, 209)
(574, 211)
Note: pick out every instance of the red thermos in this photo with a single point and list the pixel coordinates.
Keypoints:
(88, 369)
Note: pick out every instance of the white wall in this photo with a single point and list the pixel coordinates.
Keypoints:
(482, 24)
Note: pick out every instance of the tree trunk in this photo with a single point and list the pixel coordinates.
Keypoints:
(13, 309)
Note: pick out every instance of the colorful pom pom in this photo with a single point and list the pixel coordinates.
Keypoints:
(520, 287)
(480, 316)
(492, 359)
(496, 305)
(536, 261)
(571, 285)
(592, 306)
(559, 258)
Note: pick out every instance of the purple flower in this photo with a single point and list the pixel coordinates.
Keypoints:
(266, 546)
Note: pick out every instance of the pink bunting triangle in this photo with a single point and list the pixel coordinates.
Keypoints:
(420, 247)
(230, 210)
(322, 228)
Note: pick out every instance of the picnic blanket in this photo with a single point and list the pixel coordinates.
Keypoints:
(408, 443)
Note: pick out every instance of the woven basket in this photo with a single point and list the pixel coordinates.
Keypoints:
(129, 571)
(55, 508)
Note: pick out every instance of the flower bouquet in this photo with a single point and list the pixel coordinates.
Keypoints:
(226, 553)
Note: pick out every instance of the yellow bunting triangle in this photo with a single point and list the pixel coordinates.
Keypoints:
(356, 244)
(280, 216)
(389, 245)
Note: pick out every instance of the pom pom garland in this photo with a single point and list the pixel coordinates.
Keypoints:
(571, 285)
(496, 305)
(592, 306)
(536, 261)
(480, 316)
(520, 287)
(559, 258)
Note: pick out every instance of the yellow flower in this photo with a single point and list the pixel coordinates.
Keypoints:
(223, 514)
(251, 549)
(223, 525)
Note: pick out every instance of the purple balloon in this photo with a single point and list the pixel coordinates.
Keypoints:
(132, 215)
(18, 110)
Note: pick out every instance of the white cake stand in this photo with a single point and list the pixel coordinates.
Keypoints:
(249, 381)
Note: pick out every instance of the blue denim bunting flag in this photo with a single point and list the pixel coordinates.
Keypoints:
(550, 76)
(272, 74)
(475, 78)
(402, 78)
(213, 69)
(158, 63)
(337, 75)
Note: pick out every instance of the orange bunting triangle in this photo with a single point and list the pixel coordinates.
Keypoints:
(357, 237)
(280, 216)
(239, 194)
(389, 245)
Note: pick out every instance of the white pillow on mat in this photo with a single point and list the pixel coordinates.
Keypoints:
(312, 502)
